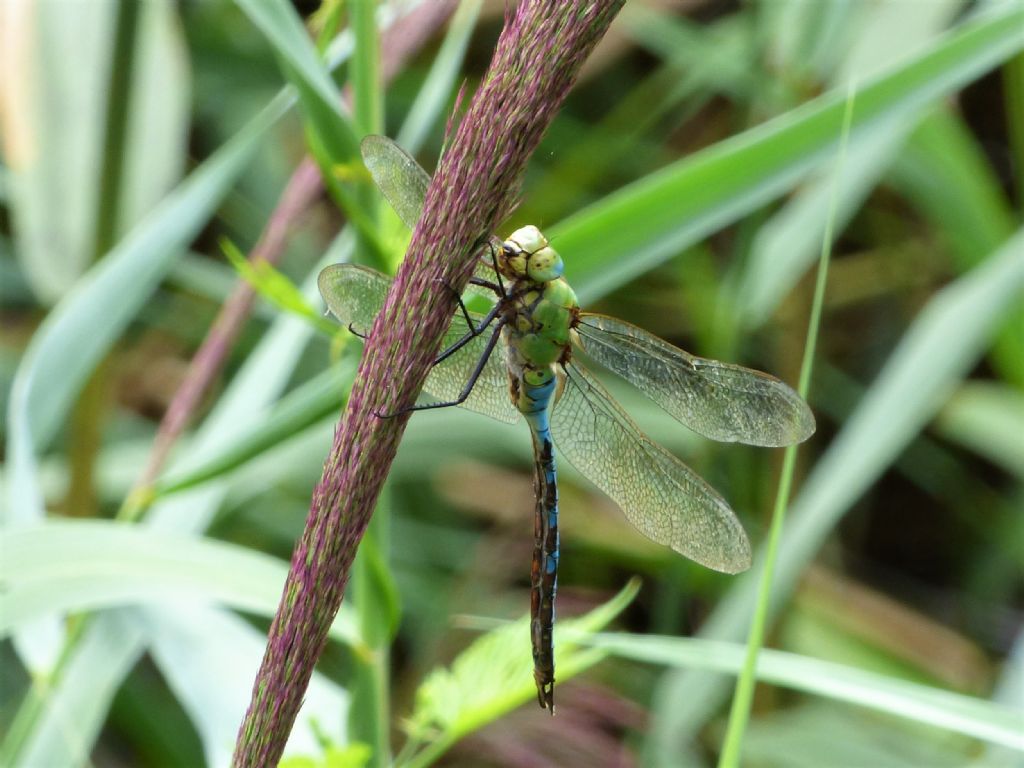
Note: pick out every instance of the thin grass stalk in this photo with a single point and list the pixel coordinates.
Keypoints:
(739, 713)
(365, 74)
(537, 58)
(1013, 86)
(403, 39)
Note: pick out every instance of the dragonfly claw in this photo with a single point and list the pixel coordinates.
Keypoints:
(546, 694)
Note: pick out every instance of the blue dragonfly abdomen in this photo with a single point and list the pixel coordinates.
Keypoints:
(538, 323)
(544, 568)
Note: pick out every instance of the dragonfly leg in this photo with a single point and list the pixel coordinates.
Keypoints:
(462, 304)
(491, 286)
(471, 334)
(497, 286)
(466, 391)
(494, 264)
(487, 284)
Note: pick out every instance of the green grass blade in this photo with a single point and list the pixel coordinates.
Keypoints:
(253, 390)
(332, 138)
(945, 341)
(433, 96)
(744, 696)
(79, 330)
(259, 382)
(784, 247)
(955, 712)
(364, 74)
(68, 722)
(269, 366)
(283, 28)
(212, 685)
(944, 173)
(63, 52)
(316, 399)
(107, 565)
(1013, 82)
(653, 219)
(987, 418)
(274, 286)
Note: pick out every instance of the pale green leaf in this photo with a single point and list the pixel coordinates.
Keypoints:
(58, 110)
(495, 674)
(77, 565)
(79, 330)
(987, 418)
(944, 709)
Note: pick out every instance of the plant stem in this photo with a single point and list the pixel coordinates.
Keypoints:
(745, 684)
(537, 59)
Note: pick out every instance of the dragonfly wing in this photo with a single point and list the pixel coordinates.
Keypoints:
(404, 183)
(355, 295)
(724, 402)
(490, 395)
(398, 176)
(663, 498)
(484, 270)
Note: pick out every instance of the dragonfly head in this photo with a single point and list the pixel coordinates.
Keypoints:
(527, 254)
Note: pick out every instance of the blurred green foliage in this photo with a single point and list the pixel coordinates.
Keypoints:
(687, 183)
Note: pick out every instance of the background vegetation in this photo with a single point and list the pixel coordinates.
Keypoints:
(689, 183)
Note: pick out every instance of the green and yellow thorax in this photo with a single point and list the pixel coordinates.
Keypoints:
(541, 310)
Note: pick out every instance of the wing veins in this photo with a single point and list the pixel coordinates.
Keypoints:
(660, 496)
(355, 295)
(722, 401)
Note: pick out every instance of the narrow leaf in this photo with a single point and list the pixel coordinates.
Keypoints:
(79, 330)
(653, 219)
(883, 693)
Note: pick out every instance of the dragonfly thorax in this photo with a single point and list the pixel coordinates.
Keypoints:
(527, 254)
(538, 333)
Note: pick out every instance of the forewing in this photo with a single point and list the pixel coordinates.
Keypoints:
(663, 498)
(398, 176)
(404, 184)
(483, 271)
(724, 402)
(355, 295)
(490, 395)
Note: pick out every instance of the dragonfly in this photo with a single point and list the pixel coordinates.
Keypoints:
(518, 361)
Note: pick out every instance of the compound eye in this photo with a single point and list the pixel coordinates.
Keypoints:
(545, 265)
(528, 238)
(512, 262)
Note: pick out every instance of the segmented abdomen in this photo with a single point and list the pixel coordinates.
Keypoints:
(534, 404)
